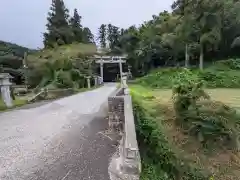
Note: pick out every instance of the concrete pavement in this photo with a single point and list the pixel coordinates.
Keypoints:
(61, 140)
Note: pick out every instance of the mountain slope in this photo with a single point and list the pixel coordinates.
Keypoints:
(11, 56)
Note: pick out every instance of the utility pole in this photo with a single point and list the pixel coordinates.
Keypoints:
(25, 67)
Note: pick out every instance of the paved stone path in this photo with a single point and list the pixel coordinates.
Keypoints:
(61, 140)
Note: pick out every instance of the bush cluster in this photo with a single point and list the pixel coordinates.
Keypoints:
(64, 73)
(207, 120)
(222, 74)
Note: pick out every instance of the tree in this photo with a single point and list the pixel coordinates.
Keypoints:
(115, 46)
(113, 37)
(210, 26)
(76, 26)
(109, 35)
(88, 37)
(102, 35)
(185, 29)
(201, 24)
(122, 31)
(58, 29)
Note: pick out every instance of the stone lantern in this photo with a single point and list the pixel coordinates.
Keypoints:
(5, 88)
(89, 81)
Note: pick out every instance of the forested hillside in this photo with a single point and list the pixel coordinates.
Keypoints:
(63, 62)
(183, 115)
(194, 33)
(11, 56)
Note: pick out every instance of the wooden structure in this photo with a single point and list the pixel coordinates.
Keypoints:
(110, 59)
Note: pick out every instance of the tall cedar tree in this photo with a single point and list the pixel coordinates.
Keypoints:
(109, 36)
(88, 37)
(58, 29)
(75, 23)
(103, 36)
(113, 37)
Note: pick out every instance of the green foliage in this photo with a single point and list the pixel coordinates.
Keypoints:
(88, 37)
(61, 73)
(230, 64)
(62, 30)
(195, 32)
(16, 103)
(209, 121)
(75, 24)
(162, 78)
(152, 171)
(11, 56)
(63, 79)
(59, 31)
(109, 39)
(160, 161)
(62, 67)
(71, 51)
(103, 35)
(221, 74)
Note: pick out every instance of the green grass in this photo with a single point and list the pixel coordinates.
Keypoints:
(16, 103)
(228, 96)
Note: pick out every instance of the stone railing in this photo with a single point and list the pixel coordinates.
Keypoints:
(126, 163)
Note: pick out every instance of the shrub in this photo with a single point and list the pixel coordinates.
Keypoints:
(63, 79)
(233, 64)
(208, 121)
(156, 153)
(163, 78)
(219, 75)
(220, 79)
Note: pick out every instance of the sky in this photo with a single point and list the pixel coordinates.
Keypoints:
(23, 21)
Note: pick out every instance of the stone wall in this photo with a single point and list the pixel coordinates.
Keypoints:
(116, 112)
(126, 163)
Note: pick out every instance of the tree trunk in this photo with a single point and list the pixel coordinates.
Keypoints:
(186, 56)
(201, 58)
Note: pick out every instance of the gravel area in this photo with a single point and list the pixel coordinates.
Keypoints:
(63, 139)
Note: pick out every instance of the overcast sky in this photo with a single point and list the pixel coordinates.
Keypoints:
(23, 21)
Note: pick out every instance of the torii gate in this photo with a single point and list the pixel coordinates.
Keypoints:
(110, 59)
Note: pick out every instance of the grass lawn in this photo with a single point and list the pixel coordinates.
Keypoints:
(230, 97)
(223, 164)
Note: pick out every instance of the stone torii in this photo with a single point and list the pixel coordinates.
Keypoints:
(110, 59)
